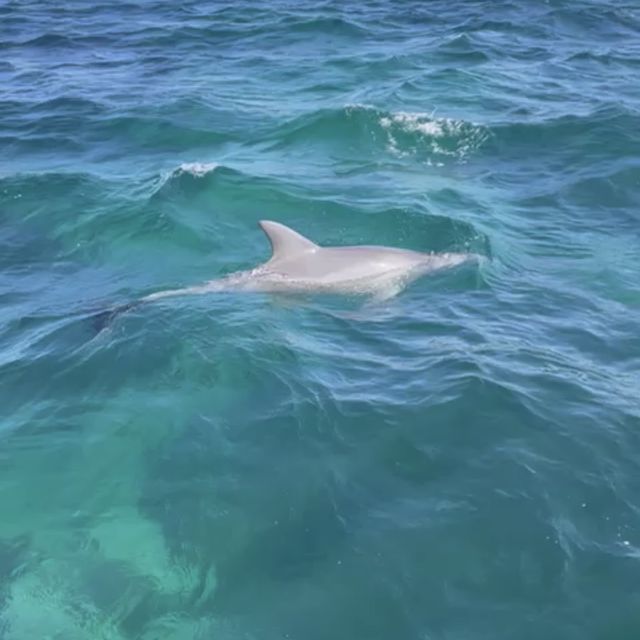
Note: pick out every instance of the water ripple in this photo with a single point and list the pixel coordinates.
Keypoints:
(459, 461)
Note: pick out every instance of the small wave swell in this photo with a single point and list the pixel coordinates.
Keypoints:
(443, 137)
(596, 134)
(196, 169)
(188, 175)
(363, 128)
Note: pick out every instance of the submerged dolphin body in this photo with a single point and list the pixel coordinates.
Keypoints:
(298, 265)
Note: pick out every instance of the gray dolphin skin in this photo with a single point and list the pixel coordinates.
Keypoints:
(298, 265)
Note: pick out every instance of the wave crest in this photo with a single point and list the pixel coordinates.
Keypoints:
(370, 130)
(195, 169)
(442, 136)
(183, 174)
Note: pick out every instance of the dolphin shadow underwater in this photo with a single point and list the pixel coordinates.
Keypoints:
(299, 265)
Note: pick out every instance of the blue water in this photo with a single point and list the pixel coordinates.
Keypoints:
(461, 462)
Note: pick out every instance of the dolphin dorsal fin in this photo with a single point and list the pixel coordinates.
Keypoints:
(286, 242)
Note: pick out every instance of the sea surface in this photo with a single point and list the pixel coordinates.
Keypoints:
(460, 462)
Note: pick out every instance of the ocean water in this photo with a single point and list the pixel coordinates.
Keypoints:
(461, 462)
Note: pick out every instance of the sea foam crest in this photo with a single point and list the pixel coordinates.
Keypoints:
(420, 122)
(196, 169)
(443, 136)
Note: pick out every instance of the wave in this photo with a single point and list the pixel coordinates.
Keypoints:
(81, 128)
(462, 49)
(615, 190)
(444, 136)
(33, 228)
(190, 176)
(366, 128)
(44, 40)
(237, 26)
(60, 181)
(605, 58)
(156, 133)
(597, 134)
(196, 169)
(66, 103)
(186, 170)
(324, 26)
(58, 41)
(189, 207)
(596, 20)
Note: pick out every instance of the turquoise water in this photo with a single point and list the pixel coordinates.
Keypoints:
(461, 462)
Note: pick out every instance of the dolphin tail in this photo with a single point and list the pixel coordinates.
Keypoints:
(102, 319)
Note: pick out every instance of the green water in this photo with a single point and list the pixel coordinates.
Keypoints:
(457, 463)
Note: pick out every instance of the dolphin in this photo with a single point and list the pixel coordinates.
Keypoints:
(299, 265)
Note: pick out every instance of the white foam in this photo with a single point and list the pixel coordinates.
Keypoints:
(466, 137)
(421, 122)
(353, 106)
(197, 169)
